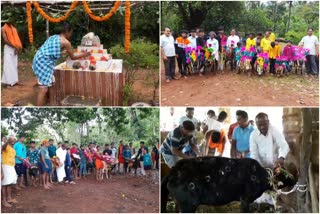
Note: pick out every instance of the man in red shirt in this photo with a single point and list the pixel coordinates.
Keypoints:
(120, 158)
(230, 132)
(74, 161)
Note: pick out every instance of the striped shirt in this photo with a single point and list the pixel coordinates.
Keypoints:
(174, 139)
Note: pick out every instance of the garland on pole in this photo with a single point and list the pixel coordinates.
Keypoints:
(29, 19)
(88, 11)
(50, 19)
(127, 27)
(101, 18)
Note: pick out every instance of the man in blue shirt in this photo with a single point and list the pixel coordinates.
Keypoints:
(52, 149)
(241, 135)
(21, 154)
(52, 153)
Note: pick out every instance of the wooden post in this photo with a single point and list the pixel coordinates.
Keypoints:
(313, 194)
(305, 153)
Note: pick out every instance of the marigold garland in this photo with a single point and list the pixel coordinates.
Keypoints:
(29, 19)
(101, 18)
(60, 19)
(127, 27)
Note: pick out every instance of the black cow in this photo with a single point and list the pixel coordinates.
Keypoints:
(216, 181)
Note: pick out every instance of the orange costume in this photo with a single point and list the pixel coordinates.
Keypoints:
(218, 145)
(12, 36)
(10, 57)
(99, 164)
(120, 158)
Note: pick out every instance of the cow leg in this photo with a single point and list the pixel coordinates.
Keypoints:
(244, 207)
(187, 207)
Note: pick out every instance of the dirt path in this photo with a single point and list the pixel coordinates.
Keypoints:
(120, 194)
(230, 89)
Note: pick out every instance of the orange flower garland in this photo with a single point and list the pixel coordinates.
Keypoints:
(29, 19)
(127, 28)
(60, 19)
(101, 18)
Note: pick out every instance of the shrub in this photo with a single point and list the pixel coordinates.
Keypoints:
(143, 55)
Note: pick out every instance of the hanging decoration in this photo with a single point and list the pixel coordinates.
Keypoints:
(74, 4)
(50, 19)
(29, 20)
(101, 18)
(127, 27)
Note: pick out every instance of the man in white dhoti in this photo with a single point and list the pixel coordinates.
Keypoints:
(9, 173)
(12, 47)
(268, 146)
(61, 154)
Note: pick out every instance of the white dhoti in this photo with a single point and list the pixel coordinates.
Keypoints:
(61, 173)
(9, 175)
(10, 66)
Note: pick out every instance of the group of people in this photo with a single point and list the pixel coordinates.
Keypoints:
(249, 139)
(23, 165)
(194, 50)
(257, 139)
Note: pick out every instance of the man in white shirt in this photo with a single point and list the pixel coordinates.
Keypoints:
(311, 42)
(232, 39)
(170, 121)
(193, 39)
(267, 145)
(61, 154)
(214, 44)
(168, 54)
(206, 124)
(231, 44)
(189, 116)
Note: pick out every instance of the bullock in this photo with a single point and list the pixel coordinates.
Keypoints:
(217, 181)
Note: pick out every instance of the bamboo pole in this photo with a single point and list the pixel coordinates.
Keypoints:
(313, 194)
(304, 156)
(47, 28)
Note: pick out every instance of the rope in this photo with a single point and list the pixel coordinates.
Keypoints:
(297, 187)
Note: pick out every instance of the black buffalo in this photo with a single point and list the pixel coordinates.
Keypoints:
(216, 181)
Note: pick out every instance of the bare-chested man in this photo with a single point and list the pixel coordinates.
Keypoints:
(46, 57)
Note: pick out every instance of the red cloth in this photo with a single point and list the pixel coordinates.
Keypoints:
(288, 52)
(120, 158)
(231, 128)
(73, 150)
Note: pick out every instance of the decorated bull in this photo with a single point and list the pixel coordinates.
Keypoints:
(262, 63)
(300, 57)
(246, 59)
(218, 181)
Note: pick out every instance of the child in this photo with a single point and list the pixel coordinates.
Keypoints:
(83, 162)
(274, 51)
(33, 156)
(147, 160)
(126, 154)
(67, 166)
(99, 164)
